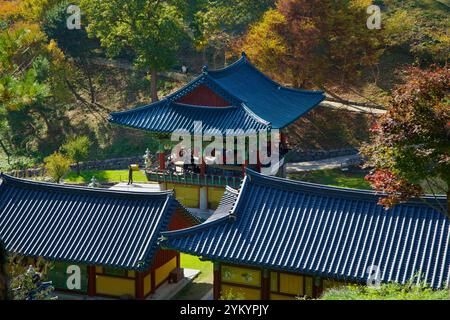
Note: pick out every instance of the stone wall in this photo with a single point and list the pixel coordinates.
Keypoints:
(109, 164)
(311, 155)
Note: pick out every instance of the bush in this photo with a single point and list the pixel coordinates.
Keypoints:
(232, 295)
(77, 149)
(57, 166)
(390, 291)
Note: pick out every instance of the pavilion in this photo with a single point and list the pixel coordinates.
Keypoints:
(238, 97)
(101, 242)
(281, 239)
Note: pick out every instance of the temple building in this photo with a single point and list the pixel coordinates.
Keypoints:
(237, 98)
(281, 239)
(101, 242)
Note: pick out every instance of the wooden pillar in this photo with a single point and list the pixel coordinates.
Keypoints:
(283, 139)
(244, 166)
(178, 260)
(265, 285)
(139, 285)
(216, 284)
(162, 160)
(258, 163)
(202, 167)
(317, 287)
(91, 281)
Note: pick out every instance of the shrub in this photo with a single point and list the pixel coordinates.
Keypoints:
(389, 291)
(57, 166)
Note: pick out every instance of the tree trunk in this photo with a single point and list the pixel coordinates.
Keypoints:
(78, 169)
(5, 150)
(153, 86)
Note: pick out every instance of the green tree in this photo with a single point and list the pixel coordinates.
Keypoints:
(419, 28)
(217, 23)
(77, 149)
(27, 282)
(33, 91)
(149, 31)
(411, 142)
(57, 166)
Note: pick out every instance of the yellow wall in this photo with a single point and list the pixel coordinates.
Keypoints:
(162, 272)
(249, 277)
(214, 196)
(274, 296)
(187, 195)
(249, 294)
(291, 284)
(147, 284)
(115, 286)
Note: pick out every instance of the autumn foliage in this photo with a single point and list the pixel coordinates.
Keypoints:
(311, 42)
(410, 146)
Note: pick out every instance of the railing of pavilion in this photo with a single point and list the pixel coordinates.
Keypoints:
(193, 178)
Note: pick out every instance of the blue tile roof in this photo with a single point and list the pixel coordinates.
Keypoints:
(83, 225)
(255, 97)
(166, 117)
(272, 102)
(326, 231)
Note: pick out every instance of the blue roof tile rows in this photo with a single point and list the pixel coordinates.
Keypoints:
(167, 117)
(83, 225)
(326, 231)
(257, 103)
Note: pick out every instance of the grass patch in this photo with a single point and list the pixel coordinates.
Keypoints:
(202, 284)
(389, 291)
(104, 176)
(334, 177)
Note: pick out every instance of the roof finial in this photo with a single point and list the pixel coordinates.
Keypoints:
(243, 54)
(205, 68)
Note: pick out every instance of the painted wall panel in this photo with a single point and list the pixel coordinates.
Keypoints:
(247, 293)
(203, 96)
(246, 276)
(291, 284)
(186, 195)
(162, 272)
(114, 286)
(214, 197)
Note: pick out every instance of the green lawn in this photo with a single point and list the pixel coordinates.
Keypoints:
(334, 177)
(104, 176)
(202, 284)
